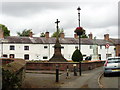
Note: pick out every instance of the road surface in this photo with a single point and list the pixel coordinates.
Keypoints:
(89, 79)
(112, 81)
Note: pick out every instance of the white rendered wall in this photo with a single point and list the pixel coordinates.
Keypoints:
(103, 51)
(19, 50)
(37, 51)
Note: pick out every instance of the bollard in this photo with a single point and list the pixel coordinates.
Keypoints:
(80, 68)
(75, 70)
(57, 73)
(67, 72)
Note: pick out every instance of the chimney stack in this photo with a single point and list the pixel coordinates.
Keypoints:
(90, 35)
(1, 33)
(47, 34)
(62, 35)
(106, 37)
(75, 36)
(31, 34)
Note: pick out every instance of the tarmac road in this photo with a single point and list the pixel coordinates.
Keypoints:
(112, 81)
(89, 79)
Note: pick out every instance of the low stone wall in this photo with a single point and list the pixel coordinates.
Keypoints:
(15, 67)
(62, 65)
(6, 61)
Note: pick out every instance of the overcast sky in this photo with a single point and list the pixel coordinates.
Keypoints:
(97, 16)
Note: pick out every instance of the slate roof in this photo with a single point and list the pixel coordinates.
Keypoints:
(52, 40)
(115, 41)
(103, 42)
(15, 39)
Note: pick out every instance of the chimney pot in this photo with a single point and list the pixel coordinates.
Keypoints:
(31, 34)
(47, 34)
(106, 37)
(1, 33)
(75, 36)
(62, 35)
(90, 35)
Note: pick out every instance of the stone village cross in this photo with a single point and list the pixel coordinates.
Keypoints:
(57, 56)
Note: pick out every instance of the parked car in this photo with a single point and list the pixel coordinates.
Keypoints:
(88, 58)
(112, 65)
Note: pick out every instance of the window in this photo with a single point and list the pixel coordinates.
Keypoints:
(26, 47)
(90, 46)
(5, 55)
(100, 46)
(26, 56)
(45, 57)
(45, 47)
(62, 47)
(84, 55)
(12, 56)
(12, 47)
(114, 48)
(76, 47)
(108, 55)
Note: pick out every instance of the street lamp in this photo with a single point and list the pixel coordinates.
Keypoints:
(79, 15)
(79, 31)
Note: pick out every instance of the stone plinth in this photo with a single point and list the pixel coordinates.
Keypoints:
(57, 57)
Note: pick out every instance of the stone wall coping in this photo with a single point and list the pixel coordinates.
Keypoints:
(65, 62)
(14, 66)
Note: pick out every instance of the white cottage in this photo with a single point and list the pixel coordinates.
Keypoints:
(41, 48)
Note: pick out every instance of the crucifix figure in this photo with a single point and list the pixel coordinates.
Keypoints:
(57, 26)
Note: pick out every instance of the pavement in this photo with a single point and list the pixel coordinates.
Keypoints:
(46, 79)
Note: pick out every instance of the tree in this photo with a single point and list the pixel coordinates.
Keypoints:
(5, 29)
(25, 32)
(77, 56)
(42, 34)
(55, 34)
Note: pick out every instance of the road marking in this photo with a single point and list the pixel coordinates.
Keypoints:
(99, 83)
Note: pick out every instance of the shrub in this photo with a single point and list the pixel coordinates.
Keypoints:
(9, 80)
(77, 56)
